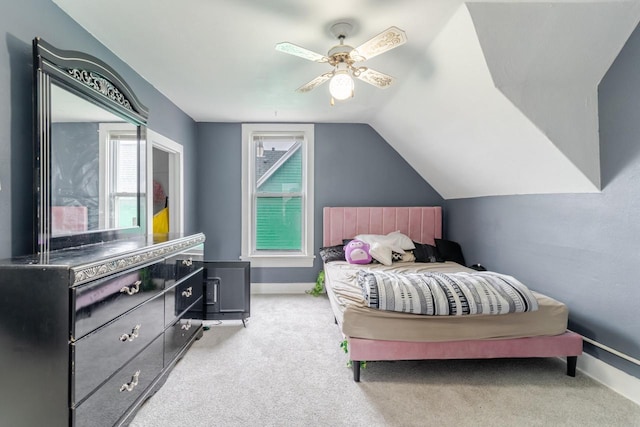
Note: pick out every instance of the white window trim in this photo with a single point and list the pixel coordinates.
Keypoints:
(306, 257)
(176, 180)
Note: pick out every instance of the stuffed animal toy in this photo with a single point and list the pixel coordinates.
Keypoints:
(357, 252)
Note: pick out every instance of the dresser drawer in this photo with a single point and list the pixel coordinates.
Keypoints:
(98, 302)
(101, 353)
(181, 265)
(177, 335)
(182, 296)
(110, 402)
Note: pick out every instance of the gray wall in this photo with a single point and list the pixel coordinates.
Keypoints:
(376, 173)
(20, 22)
(583, 249)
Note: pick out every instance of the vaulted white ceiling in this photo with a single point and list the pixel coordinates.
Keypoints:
(490, 98)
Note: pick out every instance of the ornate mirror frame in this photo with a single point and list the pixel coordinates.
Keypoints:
(93, 81)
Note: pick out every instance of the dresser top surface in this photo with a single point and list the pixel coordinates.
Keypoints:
(138, 248)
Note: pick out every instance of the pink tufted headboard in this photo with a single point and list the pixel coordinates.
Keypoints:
(421, 224)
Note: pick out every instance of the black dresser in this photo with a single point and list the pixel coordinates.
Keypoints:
(91, 332)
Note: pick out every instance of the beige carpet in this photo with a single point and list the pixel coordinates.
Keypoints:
(287, 369)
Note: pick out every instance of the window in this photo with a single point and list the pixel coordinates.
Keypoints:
(119, 190)
(124, 172)
(277, 190)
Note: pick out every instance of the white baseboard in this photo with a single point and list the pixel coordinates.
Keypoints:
(613, 378)
(281, 288)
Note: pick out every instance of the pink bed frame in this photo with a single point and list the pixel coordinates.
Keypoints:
(424, 224)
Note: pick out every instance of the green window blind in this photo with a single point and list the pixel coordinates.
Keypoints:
(126, 211)
(279, 223)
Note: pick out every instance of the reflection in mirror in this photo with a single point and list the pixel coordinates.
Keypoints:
(89, 151)
(94, 158)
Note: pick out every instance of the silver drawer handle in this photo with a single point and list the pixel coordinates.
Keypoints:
(130, 290)
(187, 292)
(186, 326)
(187, 262)
(131, 384)
(135, 332)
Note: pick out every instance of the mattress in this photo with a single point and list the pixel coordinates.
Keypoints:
(359, 321)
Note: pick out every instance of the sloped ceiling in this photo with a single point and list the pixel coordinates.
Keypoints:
(510, 106)
(491, 98)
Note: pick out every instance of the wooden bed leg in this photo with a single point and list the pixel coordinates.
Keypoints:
(572, 361)
(356, 370)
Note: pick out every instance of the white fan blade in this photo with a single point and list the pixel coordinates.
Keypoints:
(386, 40)
(375, 78)
(296, 50)
(314, 83)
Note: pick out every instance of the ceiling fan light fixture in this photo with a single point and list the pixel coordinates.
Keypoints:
(343, 59)
(341, 85)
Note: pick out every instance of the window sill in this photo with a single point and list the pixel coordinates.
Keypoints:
(279, 260)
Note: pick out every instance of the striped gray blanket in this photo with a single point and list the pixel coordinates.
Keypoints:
(446, 294)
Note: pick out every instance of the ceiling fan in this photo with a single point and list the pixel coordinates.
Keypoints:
(343, 59)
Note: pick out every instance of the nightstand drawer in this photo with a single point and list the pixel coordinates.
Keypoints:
(103, 300)
(100, 354)
(111, 400)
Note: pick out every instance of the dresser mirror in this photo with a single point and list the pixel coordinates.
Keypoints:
(90, 146)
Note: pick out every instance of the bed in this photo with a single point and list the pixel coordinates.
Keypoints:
(378, 335)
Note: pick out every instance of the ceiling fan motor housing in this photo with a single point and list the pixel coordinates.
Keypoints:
(340, 53)
(341, 30)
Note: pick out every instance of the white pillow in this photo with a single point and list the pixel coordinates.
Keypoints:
(380, 239)
(401, 240)
(395, 240)
(381, 253)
